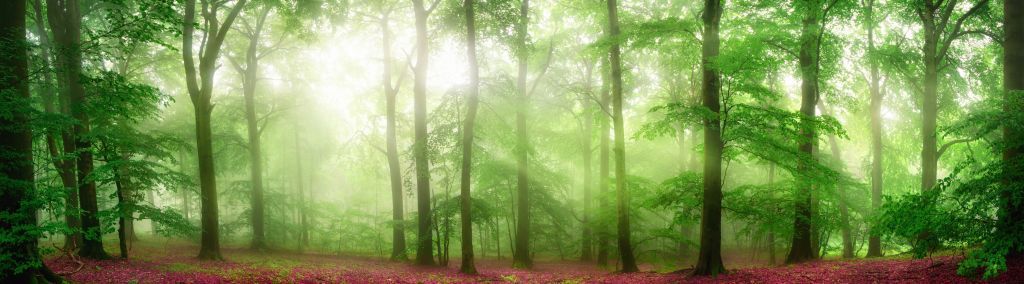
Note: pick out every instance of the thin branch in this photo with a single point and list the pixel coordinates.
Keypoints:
(946, 146)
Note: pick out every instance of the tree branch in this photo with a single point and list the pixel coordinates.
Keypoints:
(946, 146)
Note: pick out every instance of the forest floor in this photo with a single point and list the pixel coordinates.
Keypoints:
(172, 262)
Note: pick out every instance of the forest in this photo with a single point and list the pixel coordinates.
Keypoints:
(519, 141)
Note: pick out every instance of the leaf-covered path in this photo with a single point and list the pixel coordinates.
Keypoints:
(173, 263)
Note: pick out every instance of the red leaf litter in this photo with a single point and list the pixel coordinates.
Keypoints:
(175, 263)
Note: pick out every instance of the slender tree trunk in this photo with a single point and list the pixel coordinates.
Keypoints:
(473, 102)
(186, 203)
(709, 261)
(521, 258)
(122, 226)
(200, 89)
(65, 166)
(929, 116)
(587, 245)
(1012, 206)
(844, 212)
(424, 248)
(803, 247)
(65, 22)
(625, 245)
(18, 186)
(299, 174)
(398, 250)
(874, 241)
(250, 80)
(604, 166)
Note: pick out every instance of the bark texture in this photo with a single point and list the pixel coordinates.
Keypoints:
(709, 260)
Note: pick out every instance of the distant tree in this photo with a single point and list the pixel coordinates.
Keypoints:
(521, 256)
(200, 90)
(424, 247)
(874, 241)
(472, 102)
(625, 247)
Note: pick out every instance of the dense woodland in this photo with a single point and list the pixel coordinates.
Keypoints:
(693, 137)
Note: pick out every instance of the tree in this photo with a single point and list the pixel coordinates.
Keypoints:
(19, 256)
(521, 256)
(874, 242)
(802, 248)
(424, 248)
(59, 153)
(603, 161)
(625, 247)
(472, 103)
(66, 24)
(938, 37)
(394, 166)
(709, 261)
(250, 80)
(587, 150)
(200, 90)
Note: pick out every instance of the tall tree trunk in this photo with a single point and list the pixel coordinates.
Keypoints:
(625, 245)
(587, 238)
(521, 258)
(1012, 206)
(424, 248)
(66, 23)
(122, 226)
(803, 248)
(603, 161)
(398, 248)
(844, 212)
(874, 241)
(21, 263)
(473, 102)
(65, 167)
(186, 204)
(299, 174)
(709, 261)
(250, 79)
(200, 90)
(929, 114)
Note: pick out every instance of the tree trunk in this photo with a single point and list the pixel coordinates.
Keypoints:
(398, 248)
(210, 243)
(200, 90)
(66, 23)
(709, 261)
(625, 245)
(874, 241)
(299, 174)
(929, 115)
(473, 102)
(586, 243)
(65, 167)
(122, 226)
(521, 258)
(22, 263)
(1012, 206)
(424, 248)
(844, 212)
(249, 82)
(603, 161)
(803, 248)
